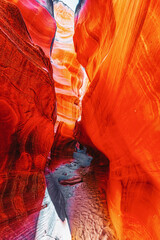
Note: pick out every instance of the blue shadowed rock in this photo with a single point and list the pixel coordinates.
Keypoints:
(82, 158)
(56, 196)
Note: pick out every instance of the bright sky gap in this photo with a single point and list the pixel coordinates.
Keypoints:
(71, 3)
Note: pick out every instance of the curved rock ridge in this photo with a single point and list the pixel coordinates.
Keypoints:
(70, 78)
(28, 102)
(27, 117)
(64, 142)
(48, 4)
(118, 43)
(40, 24)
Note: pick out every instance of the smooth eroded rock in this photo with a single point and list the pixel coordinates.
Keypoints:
(40, 24)
(118, 43)
(27, 117)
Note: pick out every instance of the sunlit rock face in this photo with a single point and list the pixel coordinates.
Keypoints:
(40, 24)
(118, 42)
(70, 80)
(68, 74)
(27, 117)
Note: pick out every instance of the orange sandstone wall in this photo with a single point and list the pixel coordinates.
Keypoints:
(68, 74)
(118, 43)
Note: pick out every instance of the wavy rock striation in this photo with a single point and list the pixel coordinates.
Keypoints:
(68, 74)
(27, 117)
(70, 80)
(40, 24)
(118, 42)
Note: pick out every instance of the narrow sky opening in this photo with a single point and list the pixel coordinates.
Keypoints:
(71, 3)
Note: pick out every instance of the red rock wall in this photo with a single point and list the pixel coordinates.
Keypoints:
(27, 88)
(40, 24)
(118, 42)
(27, 117)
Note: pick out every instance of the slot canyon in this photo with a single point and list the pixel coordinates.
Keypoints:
(80, 120)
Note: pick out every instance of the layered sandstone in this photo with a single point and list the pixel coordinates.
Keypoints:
(40, 24)
(118, 42)
(68, 74)
(27, 117)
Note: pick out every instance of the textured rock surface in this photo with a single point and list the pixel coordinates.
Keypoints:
(27, 117)
(118, 42)
(70, 81)
(83, 188)
(40, 24)
(64, 142)
(27, 93)
(67, 72)
(21, 198)
(49, 225)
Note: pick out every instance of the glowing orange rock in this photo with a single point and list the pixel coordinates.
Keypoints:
(40, 24)
(118, 42)
(68, 74)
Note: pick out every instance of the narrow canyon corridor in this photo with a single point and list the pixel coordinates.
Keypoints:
(85, 200)
(79, 120)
